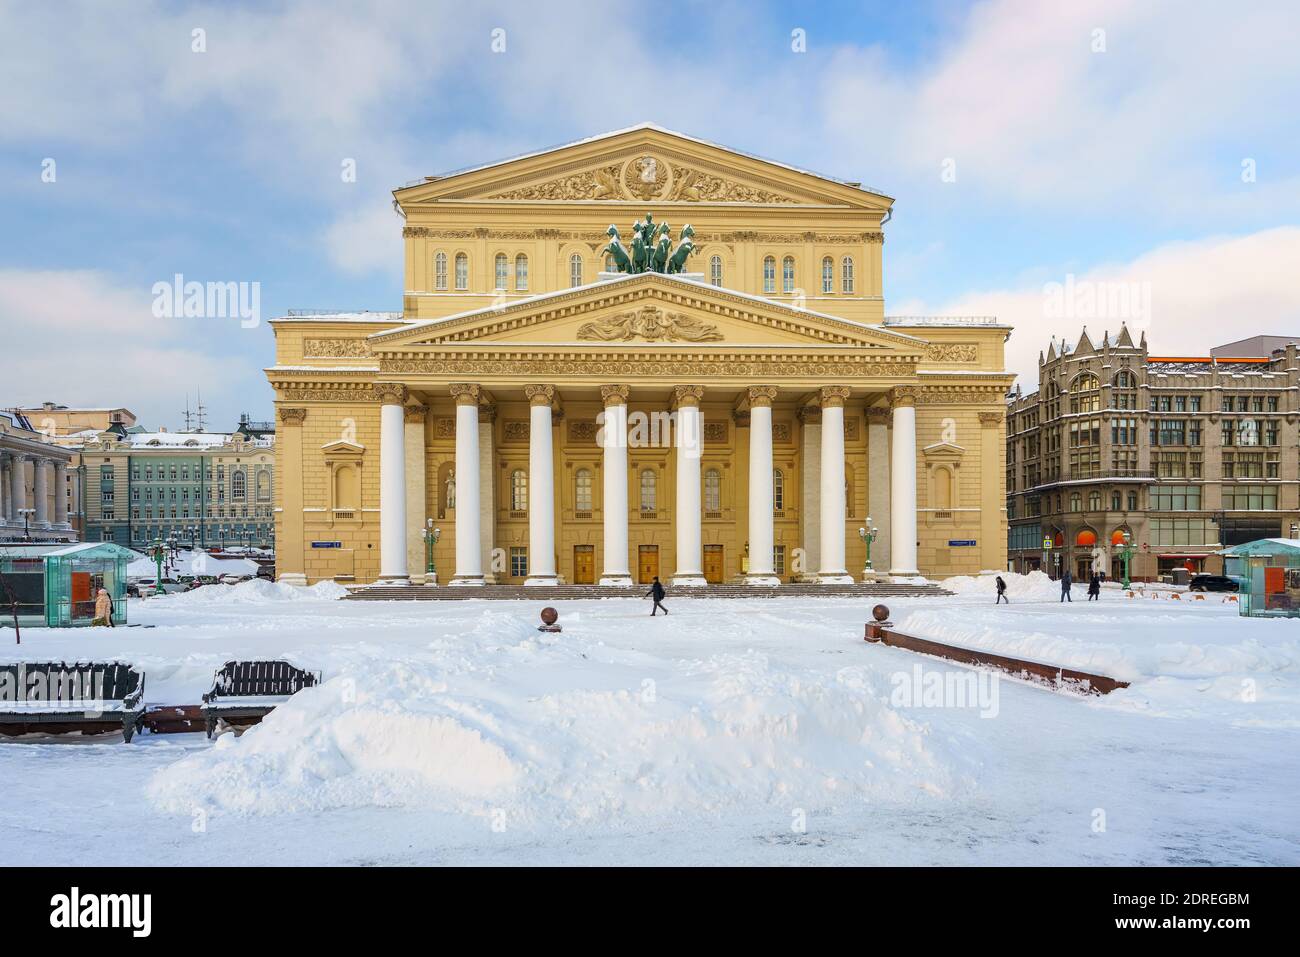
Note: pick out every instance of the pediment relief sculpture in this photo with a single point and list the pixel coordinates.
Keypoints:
(652, 324)
(646, 177)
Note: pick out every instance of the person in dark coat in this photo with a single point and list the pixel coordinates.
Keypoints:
(657, 593)
(1066, 581)
(1094, 587)
(1002, 591)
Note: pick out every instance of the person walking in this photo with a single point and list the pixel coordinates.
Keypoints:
(657, 593)
(1066, 581)
(1094, 588)
(103, 609)
(1002, 592)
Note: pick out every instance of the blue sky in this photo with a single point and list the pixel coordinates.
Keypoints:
(1103, 140)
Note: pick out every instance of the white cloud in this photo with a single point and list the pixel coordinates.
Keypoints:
(77, 337)
(1202, 294)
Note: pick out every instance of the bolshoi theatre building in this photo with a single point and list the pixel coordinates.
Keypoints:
(565, 401)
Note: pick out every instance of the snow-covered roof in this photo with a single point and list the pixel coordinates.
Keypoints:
(324, 315)
(181, 440)
(630, 277)
(941, 322)
(632, 129)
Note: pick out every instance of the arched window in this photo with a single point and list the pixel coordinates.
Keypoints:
(715, 270)
(502, 271)
(1085, 394)
(1132, 501)
(582, 491)
(264, 486)
(1076, 502)
(712, 491)
(237, 486)
(1116, 501)
(769, 274)
(440, 272)
(1125, 380)
(1094, 501)
(846, 274)
(518, 491)
(575, 270)
(521, 273)
(778, 491)
(648, 497)
(828, 275)
(609, 264)
(462, 271)
(942, 489)
(787, 274)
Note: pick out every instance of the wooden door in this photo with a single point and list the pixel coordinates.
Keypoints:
(647, 563)
(584, 564)
(713, 564)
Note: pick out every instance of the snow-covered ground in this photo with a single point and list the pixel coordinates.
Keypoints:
(728, 732)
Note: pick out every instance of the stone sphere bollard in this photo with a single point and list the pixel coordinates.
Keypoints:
(876, 629)
(549, 618)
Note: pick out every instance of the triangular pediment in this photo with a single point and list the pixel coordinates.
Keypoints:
(646, 309)
(641, 165)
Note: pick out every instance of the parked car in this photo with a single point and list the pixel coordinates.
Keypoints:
(1212, 583)
(146, 587)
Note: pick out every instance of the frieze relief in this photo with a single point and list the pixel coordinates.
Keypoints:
(335, 349)
(744, 365)
(598, 239)
(952, 352)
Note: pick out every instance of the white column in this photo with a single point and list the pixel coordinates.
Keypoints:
(41, 490)
(902, 485)
(17, 485)
(541, 487)
(392, 484)
(5, 503)
(762, 537)
(878, 484)
(690, 445)
(614, 500)
(469, 559)
(487, 487)
(61, 493)
(832, 571)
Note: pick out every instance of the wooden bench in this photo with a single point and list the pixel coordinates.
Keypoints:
(244, 692)
(59, 698)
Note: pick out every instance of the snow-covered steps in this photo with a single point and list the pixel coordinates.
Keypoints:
(572, 592)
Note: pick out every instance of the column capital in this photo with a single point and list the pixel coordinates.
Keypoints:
(991, 420)
(761, 395)
(687, 395)
(834, 396)
(416, 413)
(614, 394)
(810, 414)
(390, 393)
(487, 412)
(878, 413)
(903, 396)
(465, 393)
(540, 394)
(291, 416)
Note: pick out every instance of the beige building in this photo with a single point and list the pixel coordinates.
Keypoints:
(66, 425)
(38, 484)
(558, 421)
(1184, 454)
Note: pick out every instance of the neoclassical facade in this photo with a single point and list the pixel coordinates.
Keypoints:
(557, 421)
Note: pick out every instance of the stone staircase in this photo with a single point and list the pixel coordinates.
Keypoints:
(572, 592)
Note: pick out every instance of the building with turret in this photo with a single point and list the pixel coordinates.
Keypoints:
(1183, 454)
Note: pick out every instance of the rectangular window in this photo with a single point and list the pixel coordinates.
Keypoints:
(778, 559)
(1250, 497)
(1175, 498)
(518, 562)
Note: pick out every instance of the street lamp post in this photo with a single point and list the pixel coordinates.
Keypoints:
(27, 513)
(431, 536)
(1126, 555)
(868, 534)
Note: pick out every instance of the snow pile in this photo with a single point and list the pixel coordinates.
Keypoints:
(1034, 586)
(1196, 643)
(258, 591)
(562, 738)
